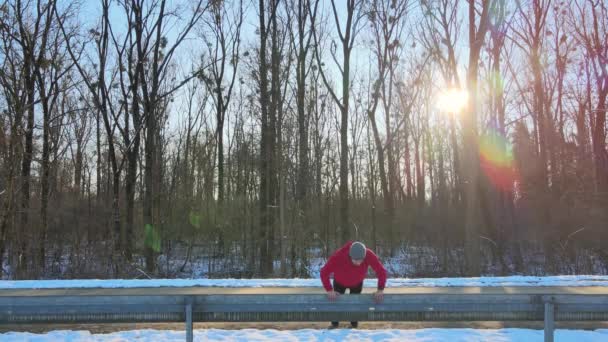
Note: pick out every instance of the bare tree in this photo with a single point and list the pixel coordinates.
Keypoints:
(304, 13)
(222, 35)
(530, 39)
(246, 161)
(99, 88)
(152, 45)
(15, 97)
(502, 196)
(387, 21)
(268, 137)
(441, 31)
(32, 34)
(130, 104)
(592, 33)
(48, 74)
(347, 36)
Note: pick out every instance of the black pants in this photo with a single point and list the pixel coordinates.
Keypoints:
(352, 290)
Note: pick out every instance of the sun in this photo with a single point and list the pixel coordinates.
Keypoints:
(452, 100)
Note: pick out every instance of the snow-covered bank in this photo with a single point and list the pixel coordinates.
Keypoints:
(580, 280)
(426, 335)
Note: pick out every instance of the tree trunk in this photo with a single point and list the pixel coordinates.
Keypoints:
(130, 181)
(471, 176)
(543, 129)
(267, 149)
(457, 197)
(384, 183)
(26, 165)
(78, 170)
(8, 204)
(148, 202)
(44, 185)
(599, 143)
(220, 146)
(420, 195)
(408, 167)
(303, 173)
(344, 220)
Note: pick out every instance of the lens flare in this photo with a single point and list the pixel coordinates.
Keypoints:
(152, 237)
(496, 160)
(497, 83)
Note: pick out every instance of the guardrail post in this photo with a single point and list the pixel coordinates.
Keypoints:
(549, 320)
(189, 332)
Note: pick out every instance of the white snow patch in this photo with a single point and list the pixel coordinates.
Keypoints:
(566, 280)
(420, 335)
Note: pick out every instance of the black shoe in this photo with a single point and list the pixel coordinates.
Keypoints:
(354, 325)
(333, 325)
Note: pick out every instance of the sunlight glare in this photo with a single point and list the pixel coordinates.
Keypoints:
(452, 100)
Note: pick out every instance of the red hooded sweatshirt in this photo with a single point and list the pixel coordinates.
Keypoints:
(346, 273)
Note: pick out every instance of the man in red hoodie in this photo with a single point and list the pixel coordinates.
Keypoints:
(349, 266)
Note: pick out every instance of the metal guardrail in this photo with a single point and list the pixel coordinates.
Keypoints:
(264, 307)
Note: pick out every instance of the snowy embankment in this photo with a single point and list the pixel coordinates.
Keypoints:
(419, 335)
(580, 280)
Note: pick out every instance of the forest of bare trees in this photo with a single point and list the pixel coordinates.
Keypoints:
(460, 137)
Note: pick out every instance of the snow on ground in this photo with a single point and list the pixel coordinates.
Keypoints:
(566, 280)
(420, 335)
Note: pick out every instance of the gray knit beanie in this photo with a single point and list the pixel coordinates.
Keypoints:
(357, 251)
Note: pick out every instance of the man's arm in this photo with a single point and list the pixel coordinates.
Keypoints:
(380, 273)
(378, 269)
(326, 270)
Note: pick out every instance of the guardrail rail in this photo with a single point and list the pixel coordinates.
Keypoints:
(272, 305)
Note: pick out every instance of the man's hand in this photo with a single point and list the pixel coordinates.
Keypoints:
(379, 296)
(332, 295)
